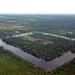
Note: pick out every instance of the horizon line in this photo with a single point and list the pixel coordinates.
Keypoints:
(36, 14)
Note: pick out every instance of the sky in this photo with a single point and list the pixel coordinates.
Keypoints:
(37, 6)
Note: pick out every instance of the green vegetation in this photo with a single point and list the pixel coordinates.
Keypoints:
(28, 38)
(67, 69)
(9, 32)
(13, 65)
(41, 46)
(56, 24)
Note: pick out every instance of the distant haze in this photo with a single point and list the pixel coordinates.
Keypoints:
(37, 6)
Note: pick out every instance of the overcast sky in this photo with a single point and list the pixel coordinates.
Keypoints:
(37, 6)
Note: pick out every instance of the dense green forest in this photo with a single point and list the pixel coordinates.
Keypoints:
(42, 46)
